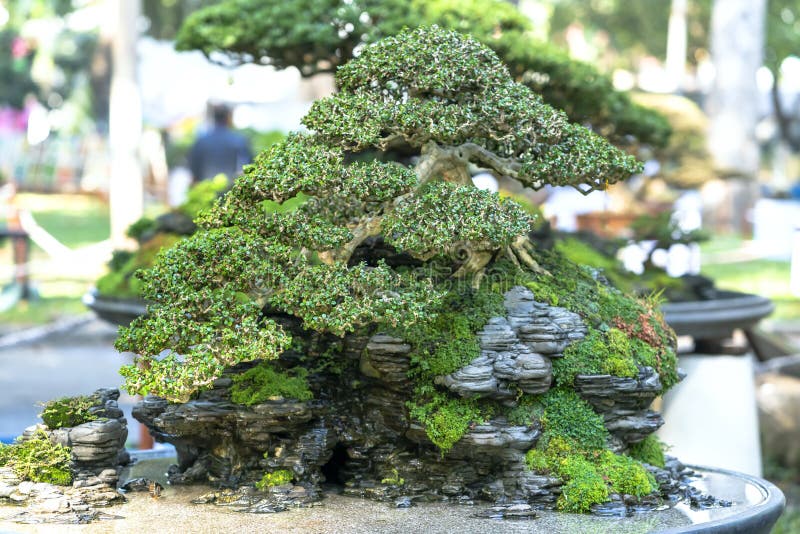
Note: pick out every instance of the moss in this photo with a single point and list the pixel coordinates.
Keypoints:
(446, 420)
(650, 450)
(567, 415)
(275, 478)
(394, 480)
(588, 476)
(38, 459)
(623, 332)
(573, 448)
(583, 487)
(68, 411)
(262, 382)
(626, 475)
(447, 342)
(537, 461)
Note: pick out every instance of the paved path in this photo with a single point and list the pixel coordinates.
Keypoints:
(62, 363)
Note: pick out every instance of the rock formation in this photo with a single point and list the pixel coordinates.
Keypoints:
(357, 431)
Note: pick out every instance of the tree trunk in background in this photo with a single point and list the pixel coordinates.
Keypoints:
(126, 196)
(737, 52)
(676, 44)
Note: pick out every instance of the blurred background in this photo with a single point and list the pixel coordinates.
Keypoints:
(99, 111)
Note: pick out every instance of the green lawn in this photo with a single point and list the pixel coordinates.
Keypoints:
(769, 278)
(75, 221)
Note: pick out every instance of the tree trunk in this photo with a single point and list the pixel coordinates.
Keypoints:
(676, 44)
(737, 51)
(126, 197)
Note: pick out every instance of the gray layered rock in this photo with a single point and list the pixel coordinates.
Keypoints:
(46, 503)
(624, 402)
(357, 431)
(546, 329)
(97, 447)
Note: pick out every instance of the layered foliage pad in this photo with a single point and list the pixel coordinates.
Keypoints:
(436, 86)
(283, 237)
(319, 36)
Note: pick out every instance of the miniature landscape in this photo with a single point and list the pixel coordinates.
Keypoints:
(354, 335)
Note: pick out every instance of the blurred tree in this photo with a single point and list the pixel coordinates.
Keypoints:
(737, 52)
(320, 35)
(636, 28)
(166, 16)
(16, 58)
(783, 41)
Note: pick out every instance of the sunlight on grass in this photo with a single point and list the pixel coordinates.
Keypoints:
(768, 278)
(75, 220)
(721, 243)
(40, 311)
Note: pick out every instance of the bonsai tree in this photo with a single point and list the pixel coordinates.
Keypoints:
(319, 37)
(370, 224)
(403, 95)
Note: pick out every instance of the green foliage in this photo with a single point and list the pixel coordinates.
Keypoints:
(568, 416)
(647, 340)
(312, 35)
(38, 459)
(441, 345)
(589, 476)
(121, 280)
(650, 450)
(445, 214)
(68, 411)
(537, 461)
(261, 141)
(201, 196)
(284, 236)
(262, 382)
(394, 480)
(583, 487)
(278, 477)
(598, 353)
(432, 84)
(319, 36)
(141, 227)
(626, 475)
(446, 419)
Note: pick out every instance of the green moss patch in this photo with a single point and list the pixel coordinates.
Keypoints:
(447, 342)
(589, 476)
(68, 411)
(650, 450)
(275, 478)
(38, 460)
(264, 382)
(623, 332)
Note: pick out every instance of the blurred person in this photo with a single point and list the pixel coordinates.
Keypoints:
(219, 150)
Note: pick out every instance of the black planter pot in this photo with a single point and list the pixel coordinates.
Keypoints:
(116, 311)
(717, 318)
(757, 504)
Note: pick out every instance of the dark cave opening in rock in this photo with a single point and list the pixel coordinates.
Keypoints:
(332, 470)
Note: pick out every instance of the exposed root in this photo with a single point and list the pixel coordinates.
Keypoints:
(521, 252)
(474, 265)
